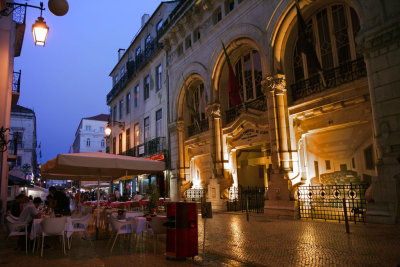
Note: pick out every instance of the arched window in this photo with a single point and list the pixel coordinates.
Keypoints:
(88, 142)
(147, 42)
(199, 101)
(332, 30)
(249, 75)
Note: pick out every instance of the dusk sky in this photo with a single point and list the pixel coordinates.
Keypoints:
(68, 78)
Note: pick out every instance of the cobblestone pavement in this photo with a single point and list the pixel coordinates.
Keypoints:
(232, 241)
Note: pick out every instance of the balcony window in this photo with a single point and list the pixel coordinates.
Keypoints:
(137, 134)
(158, 77)
(146, 88)
(332, 31)
(120, 143)
(229, 6)
(249, 75)
(136, 96)
(159, 26)
(121, 109)
(128, 103)
(128, 139)
(159, 123)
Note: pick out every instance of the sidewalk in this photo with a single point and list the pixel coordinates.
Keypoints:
(232, 241)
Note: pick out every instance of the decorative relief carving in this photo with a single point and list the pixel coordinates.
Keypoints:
(383, 39)
(213, 110)
(276, 84)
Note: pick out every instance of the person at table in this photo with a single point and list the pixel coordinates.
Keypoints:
(117, 195)
(17, 205)
(60, 202)
(27, 215)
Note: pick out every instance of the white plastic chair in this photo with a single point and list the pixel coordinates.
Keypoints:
(53, 227)
(17, 228)
(157, 228)
(120, 227)
(79, 225)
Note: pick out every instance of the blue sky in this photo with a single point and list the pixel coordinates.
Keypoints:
(68, 78)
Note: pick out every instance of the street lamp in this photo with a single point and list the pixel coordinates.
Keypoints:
(40, 29)
(107, 130)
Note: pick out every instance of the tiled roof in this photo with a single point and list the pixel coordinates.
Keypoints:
(100, 117)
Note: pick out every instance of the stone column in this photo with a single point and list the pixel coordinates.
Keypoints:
(278, 203)
(180, 128)
(214, 190)
(381, 49)
(214, 119)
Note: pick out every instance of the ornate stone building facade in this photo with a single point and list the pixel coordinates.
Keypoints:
(295, 126)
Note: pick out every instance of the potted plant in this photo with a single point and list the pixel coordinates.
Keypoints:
(153, 194)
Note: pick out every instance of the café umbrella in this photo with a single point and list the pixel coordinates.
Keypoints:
(97, 166)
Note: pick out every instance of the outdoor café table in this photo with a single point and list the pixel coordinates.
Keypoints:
(36, 229)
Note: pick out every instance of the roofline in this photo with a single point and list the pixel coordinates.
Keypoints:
(140, 31)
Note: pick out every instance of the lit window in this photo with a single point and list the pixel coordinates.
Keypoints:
(146, 133)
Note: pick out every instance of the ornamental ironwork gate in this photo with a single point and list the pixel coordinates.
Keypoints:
(326, 202)
(249, 198)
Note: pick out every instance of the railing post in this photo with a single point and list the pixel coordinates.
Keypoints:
(346, 220)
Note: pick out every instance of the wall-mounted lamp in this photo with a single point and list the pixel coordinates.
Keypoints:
(108, 130)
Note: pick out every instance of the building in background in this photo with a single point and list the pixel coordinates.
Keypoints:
(138, 100)
(23, 143)
(89, 137)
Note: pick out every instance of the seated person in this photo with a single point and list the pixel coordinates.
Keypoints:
(30, 211)
(17, 204)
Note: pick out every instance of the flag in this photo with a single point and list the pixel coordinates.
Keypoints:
(305, 44)
(233, 85)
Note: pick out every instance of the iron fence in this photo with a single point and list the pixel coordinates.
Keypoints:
(147, 149)
(326, 202)
(347, 72)
(249, 198)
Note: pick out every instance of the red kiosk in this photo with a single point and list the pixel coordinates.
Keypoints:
(182, 237)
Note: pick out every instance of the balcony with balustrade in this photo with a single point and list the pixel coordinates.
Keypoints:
(317, 83)
(197, 128)
(233, 113)
(156, 146)
(134, 67)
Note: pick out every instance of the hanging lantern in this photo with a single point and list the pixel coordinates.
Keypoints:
(58, 7)
(40, 30)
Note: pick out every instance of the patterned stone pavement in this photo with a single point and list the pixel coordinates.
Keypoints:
(232, 241)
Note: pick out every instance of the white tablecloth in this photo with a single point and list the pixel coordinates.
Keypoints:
(36, 229)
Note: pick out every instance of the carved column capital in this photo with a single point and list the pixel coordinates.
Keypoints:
(274, 84)
(180, 126)
(213, 110)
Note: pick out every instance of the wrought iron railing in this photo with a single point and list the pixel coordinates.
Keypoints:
(195, 194)
(347, 72)
(326, 202)
(16, 81)
(196, 129)
(19, 12)
(249, 199)
(133, 67)
(150, 148)
(258, 104)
